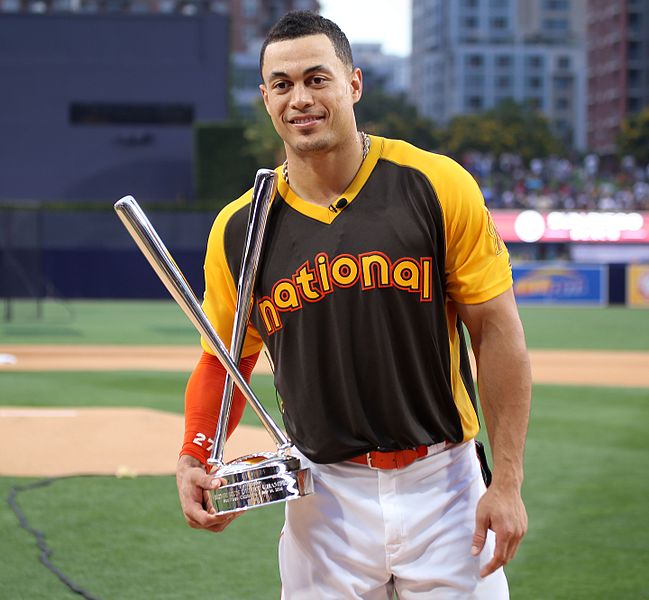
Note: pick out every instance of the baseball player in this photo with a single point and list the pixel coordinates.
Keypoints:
(376, 253)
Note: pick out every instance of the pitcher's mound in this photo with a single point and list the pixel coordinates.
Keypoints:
(48, 442)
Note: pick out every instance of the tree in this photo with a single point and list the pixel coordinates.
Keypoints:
(634, 137)
(508, 127)
(393, 117)
(262, 141)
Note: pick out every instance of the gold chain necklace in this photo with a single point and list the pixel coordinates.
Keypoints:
(366, 149)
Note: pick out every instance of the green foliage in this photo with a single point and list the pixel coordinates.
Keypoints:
(262, 140)
(509, 127)
(393, 117)
(634, 137)
(223, 167)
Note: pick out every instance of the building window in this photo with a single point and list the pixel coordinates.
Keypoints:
(563, 83)
(563, 62)
(470, 22)
(104, 113)
(555, 4)
(562, 104)
(556, 25)
(474, 81)
(633, 105)
(503, 61)
(470, 3)
(634, 77)
(474, 103)
(499, 23)
(534, 83)
(633, 51)
(503, 82)
(474, 60)
(534, 62)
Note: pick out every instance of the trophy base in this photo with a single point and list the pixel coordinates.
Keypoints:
(259, 480)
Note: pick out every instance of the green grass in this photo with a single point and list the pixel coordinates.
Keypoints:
(99, 322)
(585, 492)
(162, 322)
(160, 390)
(611, 328)
(126, 539)
(586, 488)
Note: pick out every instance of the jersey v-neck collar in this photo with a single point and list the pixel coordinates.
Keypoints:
(323, 213)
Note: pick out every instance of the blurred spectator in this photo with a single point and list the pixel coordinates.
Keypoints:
(558, 184)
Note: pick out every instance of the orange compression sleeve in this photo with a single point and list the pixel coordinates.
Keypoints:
(203, 397)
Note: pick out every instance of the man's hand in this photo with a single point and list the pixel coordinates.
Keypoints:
(502, 511)
(193, 490)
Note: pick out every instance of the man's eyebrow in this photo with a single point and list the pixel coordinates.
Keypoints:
(282, 74)
(316, 68)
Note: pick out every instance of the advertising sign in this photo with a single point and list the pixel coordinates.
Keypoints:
(561, 284)
(637, 285)
(557, 226)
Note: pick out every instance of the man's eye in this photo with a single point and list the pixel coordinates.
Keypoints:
(318, 80)
(281, 85)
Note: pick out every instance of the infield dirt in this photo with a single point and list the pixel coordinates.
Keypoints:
(132, 441)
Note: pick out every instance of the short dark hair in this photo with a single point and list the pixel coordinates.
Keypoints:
(301, 23)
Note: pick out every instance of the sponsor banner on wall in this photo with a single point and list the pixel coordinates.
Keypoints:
(561, 284)
(557, 226)
(637, 285)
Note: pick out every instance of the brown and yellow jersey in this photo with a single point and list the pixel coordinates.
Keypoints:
(356, 306)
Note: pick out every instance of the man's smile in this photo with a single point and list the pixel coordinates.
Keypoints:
(305, 120)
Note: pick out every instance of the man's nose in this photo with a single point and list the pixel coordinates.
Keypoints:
(301, 97)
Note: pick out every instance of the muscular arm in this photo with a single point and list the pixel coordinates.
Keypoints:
(504, 385)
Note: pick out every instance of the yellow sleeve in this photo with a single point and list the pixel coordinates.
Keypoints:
(220, 299)
(477, 261)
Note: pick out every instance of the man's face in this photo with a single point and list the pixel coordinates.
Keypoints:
(310, 93)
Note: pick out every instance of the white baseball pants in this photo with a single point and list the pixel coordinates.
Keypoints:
(367, 533)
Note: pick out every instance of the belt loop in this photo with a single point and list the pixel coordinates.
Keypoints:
(369, 461)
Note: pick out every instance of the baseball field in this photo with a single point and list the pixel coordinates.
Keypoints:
(91, 400)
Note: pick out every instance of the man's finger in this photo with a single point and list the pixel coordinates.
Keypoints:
(204, 480)
(506, 546)
(493, 565)
(203, 520)
(479, 536)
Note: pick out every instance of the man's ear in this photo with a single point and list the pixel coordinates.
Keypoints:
(357, 84)
(264, 95)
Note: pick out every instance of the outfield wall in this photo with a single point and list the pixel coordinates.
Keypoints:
(87, 254)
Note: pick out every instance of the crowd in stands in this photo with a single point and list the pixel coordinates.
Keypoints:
(559, 184)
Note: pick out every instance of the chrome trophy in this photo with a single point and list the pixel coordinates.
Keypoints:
(261, 478)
